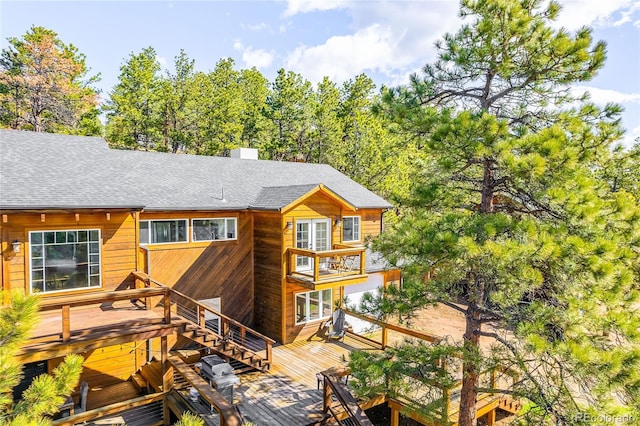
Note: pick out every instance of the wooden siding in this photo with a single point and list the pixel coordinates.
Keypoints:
(205, 270)
(269, 272)
(118, 249)
(106, 366)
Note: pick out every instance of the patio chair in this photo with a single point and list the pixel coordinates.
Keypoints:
(337, 326)
(82, 403)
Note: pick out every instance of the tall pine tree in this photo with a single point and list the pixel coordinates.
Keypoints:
(515, 219)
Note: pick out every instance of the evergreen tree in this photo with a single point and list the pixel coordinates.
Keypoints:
(289, 107)
(134, 110)
(515, 218)
(255, 126)
(47, 392)
(178, 95)
(45, 87)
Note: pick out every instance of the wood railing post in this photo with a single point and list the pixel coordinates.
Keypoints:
(316, 268)
(243, 335)
(166, 300)
(269, 351)
(224, 325)
(363, 262)
(385, 336)
(167, 377)
(202, 321)
(66, 323)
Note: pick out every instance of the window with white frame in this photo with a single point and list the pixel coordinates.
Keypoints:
(351, 228)
(220, 228)
(163, 231)
(64, 260)
(313, 305)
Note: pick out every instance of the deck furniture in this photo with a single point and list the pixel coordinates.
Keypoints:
(337, 326)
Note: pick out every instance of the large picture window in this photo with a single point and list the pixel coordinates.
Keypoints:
(64, 260)
(223, 228)
(313, 305)
(163, 231)
(351, 228)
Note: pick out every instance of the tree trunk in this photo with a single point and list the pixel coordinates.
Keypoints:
(470, 374)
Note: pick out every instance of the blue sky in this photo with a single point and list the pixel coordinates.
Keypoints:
(387, 40)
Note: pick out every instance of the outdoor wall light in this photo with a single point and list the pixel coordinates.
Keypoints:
(289, 226)
(338, 222)
(16, 246)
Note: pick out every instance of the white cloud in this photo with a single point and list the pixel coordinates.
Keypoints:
(596, 13)
(251, 57)
(304, 6)
(629, 138)
(604, 96)
(388, 38)
(343, 57)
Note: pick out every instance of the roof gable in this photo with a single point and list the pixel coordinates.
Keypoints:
(284, 198)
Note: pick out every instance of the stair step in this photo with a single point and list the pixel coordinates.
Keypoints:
(139, 381)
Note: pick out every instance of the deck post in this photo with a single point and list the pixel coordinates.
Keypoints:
(66, 323)
(491, 417)
(326, 395)
(269, 352)
(166, 301)
(201, 317)
(395, 416)
(167, 378)
(385, 333)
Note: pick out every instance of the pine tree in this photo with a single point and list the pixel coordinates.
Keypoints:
(45, 87)
(47, 392)
(514, 216)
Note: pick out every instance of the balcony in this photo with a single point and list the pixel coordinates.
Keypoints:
(342, 263)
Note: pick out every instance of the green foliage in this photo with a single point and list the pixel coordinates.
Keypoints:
(47, 392)
(521, 215)
(45, 87)
(190, 419)
(134, 107)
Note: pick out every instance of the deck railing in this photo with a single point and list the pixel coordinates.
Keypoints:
(341, 262)
(65, 303)
(227, 328)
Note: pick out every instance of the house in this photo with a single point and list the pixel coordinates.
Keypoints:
(272, 245)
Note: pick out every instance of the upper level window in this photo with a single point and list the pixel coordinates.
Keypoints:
(163, 231)
(64, 260)
(351, 228)
(223, 228)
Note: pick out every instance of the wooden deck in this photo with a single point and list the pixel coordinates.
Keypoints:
(289, 393)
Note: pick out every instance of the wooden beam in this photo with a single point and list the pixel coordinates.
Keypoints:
(50, 350)
(52, 303)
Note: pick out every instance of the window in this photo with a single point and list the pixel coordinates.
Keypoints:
(163, 231)
(223, 228)
(351, 228)
(313, 305)
(64, 260)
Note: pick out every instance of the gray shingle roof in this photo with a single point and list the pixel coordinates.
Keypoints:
(43, 170)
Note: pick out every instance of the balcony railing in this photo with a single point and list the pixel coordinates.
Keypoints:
(340, 263)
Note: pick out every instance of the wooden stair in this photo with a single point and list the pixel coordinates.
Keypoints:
(225, 348)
